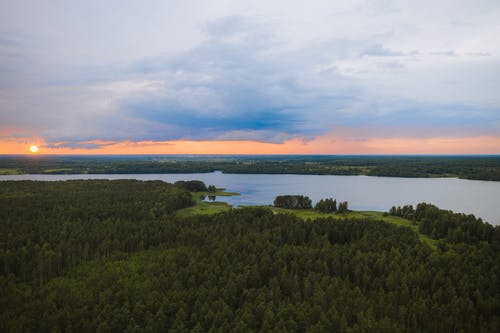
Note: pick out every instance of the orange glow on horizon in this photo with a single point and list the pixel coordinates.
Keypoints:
(326, 144)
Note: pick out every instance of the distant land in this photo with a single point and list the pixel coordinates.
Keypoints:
(477, 167)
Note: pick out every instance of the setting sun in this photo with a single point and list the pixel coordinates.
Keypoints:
(34, 149)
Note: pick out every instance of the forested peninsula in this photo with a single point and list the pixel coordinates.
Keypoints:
(467, 167)
(136, 256)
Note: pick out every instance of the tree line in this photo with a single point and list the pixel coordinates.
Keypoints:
(330, 206)
(445, 224)
(293, 202)
(468, 167)
(304, 202)
(194, 186)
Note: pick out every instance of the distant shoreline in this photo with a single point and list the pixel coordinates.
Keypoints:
(474, 167)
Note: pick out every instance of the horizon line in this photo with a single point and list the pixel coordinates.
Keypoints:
(257, 154)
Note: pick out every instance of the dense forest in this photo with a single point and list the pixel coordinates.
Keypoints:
(445, 224)
(468, 167)
(112, 256)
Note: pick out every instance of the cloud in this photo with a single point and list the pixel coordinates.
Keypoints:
(444, 53)
(381, 51)
(234, 71)
(77, 145)
(243, 86)
(479, 54)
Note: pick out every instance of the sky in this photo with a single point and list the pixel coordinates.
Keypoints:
(250, 77)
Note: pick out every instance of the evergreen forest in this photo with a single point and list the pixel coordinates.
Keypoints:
(114, 256)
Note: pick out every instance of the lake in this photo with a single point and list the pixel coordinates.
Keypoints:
(481, 198)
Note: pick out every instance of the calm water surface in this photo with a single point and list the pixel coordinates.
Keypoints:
(481, 198)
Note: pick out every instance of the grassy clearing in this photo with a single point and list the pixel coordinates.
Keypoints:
(7, 171)
(58, 170)
(203, 207)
